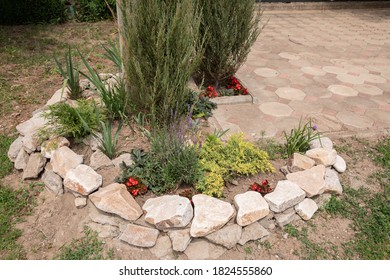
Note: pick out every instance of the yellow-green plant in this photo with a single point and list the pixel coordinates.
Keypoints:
(221, 161)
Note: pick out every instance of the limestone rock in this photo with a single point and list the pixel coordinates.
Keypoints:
(59, 96)
(286, 195)
(80, 202)
(340, 164)
(117, 200)
(31, 142)
(50, 146)
(323, 156)
(268, 222)
(163, 248)
(32, 125)
(254, 231)
(180, 239)
(322, 142)
(286, 217)
(332, 182)
(99, 160)
(21, 160)
(53, 182)
(65, 159)
(34, 166)
(15, 148)
(306, 208)
(92, 141)
(169, 211)
(311, 180)
(126, 158)
(105, 218)
(82, 179)
(251, 207)
(210, 215)
(140, 236)
(201, 249)
(301, 162)
(227, 236)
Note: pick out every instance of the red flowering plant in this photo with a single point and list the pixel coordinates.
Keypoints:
(210, 92)
(188, 193)
(264, 188)
(135, 187)
(234, 83)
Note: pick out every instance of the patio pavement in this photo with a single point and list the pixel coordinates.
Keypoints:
(332, 66)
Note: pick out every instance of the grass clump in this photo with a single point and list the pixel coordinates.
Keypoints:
(108, 143)
(5, 163)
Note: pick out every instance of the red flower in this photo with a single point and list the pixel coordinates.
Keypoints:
(131, 182)
(265, 183)
(135, 192)
(254, 186)
(245, 92)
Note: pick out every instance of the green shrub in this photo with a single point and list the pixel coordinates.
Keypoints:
(231, 27)
(69, 121)
(94, 10)
(32, 11)
(161, 53)
(200, 106)
(221, 161)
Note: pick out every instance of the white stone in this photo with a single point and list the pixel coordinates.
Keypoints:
(210, 215)
(80, 202)
(65, 159)
(163, 248)
(254, 231)
(340, 164)
(59, 96)
(117, 200)
(180, 239)
(306, 209)
(332, 182)
(311, 180)
(99, 160)
(286, 195)
(83, 180)
(302, 162)
(140, 236)
(322, 142)
(50, 146)
(268, 222)
(32, 125)
(15, 148)
(53, 182)
(227, 236)
(105, 218)
(285, 217)
(92, 141)
(31, 142)
(21, 160)
(201, 249)
(34, 166)
(126, 158)
(169, 211)
(251, 207)
(323, 156)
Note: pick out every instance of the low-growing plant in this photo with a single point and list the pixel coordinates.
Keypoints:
(108, 143)
(299, 138)
(201, 106)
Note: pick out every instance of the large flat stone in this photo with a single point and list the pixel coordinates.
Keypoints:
(227, 236)
(180, 239)
(311, 180)
(210, 215)
(251, 207)
(254, 231)
(332, 182)
(34, 166)
(169, 211)
(306, 208)
(83, 180)
(323, 156)
(201, 249)
(117, 200)
(301, 162)
(286, 195)
(140, 236)
(15, 148)
(65, 159)
(99, 160)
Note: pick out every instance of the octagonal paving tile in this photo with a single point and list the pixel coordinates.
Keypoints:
(306, 107)
(379, 115)
(376, 79)
(289, 56)
(276, 109)
(300, 63)
(350, 79)
(290, 93)
(368, 89)
(313, 71)
(356, 69)
(334, 70)
(266, 72)
(354, 120)
(343, 90)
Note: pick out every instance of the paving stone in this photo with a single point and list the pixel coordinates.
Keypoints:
(324, 156)
(204, 223)
(350, 79)
(126, 158)
(117, 200)
(228, 236)
(311, 181)
(34, 167)
(354, 120)
(21, 160)
(343, 90)
(340, 164)
(251, 207)
(15, 148)
(163, 248)
(201, 249)
(332, 182)
(169, 211)
(376, 79)
(369, 89)
(140, 236)
(83, 180)
(301, 162)
(334, 70)
(99, 160)
(290, 93)
(254, 231)
(180, 239)
(65, 159)
(266, 72)
(306, 209)
(322, 142)
(80, 202)
(276, 109)
(285, 195)
(53, 182)
(50, 146)
(289, 56)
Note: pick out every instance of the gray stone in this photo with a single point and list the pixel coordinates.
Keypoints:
(65, 159)
(254, 231)
(163, 248)
(104, 231)
(180, 239)
(201, 249)
(332, 182)
(322, 142)
(227, 236)
(31, 142)
(169, 211)
(83, 180)
(311, 180)
(301, 162)
(15, 148)
(34, 166)
(32, 125)
(126, 158)
(323, 156)
(140, 236)
(21, 160)
(268, 222)
(99, 160)
(117, 200)
(105, 218)
(251, 207)
(59, 96)
(80, 202)
(340, 164)
(285, 217)
(53, 182)
(286, 195)
(306, 209)
(50, 146)
(210, 215)
(92, 141)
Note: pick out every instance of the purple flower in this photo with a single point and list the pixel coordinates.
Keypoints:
(315, 127)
